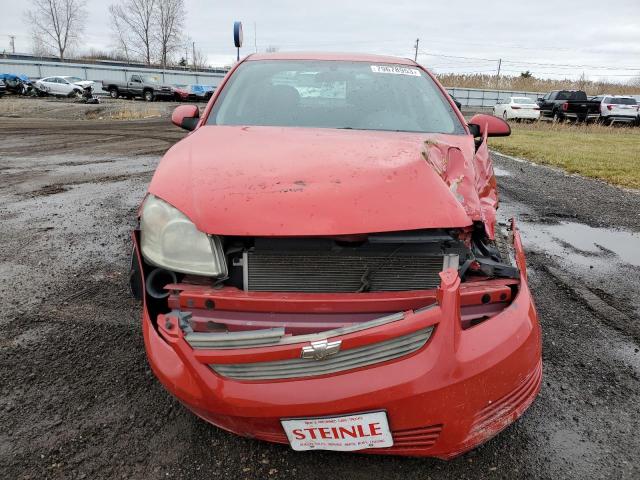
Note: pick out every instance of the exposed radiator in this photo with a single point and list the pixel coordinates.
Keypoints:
(331, 272)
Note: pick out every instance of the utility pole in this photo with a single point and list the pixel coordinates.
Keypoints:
(193, 52)
(13, 43)
(415, 57)
(255, 36)
(498, 78)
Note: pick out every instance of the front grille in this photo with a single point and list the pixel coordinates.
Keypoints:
(334, 273)
(341, 361)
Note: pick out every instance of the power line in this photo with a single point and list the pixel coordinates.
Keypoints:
(513, 62)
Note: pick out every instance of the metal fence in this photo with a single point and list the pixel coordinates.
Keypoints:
(476, 98)
(470, 98)
(97, 72)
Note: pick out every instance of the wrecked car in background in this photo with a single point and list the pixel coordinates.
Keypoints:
(320, 264)
(63, 86)
(192, 93)
(16, 84)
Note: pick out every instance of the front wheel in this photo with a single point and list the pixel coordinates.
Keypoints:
(557, 118)
(113, 92)
(505, 116)
(148, 96)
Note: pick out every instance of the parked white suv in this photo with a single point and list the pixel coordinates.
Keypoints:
(617, 108)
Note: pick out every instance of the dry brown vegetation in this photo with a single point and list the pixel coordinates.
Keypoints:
(533, 84)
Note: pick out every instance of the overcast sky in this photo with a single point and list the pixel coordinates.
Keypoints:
(551, 38)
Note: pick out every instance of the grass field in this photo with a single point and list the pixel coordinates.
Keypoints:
(608, 153)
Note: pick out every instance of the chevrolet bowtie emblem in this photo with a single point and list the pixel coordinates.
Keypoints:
(321, 349)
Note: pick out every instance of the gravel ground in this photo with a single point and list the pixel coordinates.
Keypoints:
(77, 399)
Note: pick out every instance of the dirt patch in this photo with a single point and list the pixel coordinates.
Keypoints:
(70, 109)
(48, 190)
(78, 400)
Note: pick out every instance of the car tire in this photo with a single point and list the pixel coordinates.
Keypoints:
(505, 117)
(148, 96)
(113, 92)
(557, 117)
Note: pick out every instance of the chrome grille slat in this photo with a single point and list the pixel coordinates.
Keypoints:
(278, 369)
(343, 360)
(347, 355)
(338, 272)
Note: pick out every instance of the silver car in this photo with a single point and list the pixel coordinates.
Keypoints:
(63, 86)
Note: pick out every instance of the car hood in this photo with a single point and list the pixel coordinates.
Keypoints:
(272, 181)
(84, 83)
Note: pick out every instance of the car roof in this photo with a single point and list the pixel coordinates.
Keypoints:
(348, 57)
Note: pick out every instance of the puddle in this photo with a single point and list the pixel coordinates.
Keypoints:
(500, 172)
(583, 244)
(628, 354)
(604, 259)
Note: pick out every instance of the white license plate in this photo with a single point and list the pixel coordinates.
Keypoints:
(345, 433)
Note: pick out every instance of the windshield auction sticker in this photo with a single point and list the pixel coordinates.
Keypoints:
(395, 70)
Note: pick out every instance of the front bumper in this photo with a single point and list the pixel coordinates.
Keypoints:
(459, 390)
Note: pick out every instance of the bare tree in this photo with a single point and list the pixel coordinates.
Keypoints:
(200, 60)
(120, 33)
(135, 20)
(56, 25)
(169, 23)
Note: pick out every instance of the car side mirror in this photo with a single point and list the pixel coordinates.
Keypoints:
(186, 116)
(493, 126)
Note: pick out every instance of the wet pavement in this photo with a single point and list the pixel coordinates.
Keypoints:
(77, 399)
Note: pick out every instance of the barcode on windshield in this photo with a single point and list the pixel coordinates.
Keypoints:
(395, 70)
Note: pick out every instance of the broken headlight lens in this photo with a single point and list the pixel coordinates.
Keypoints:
(170, 240)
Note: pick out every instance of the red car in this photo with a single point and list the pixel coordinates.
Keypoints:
(320, 264)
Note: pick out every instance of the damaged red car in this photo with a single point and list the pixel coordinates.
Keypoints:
(320, 264)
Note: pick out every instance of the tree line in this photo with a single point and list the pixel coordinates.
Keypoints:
(146, 31)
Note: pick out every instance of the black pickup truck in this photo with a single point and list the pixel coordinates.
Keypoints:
(145, 86)
(568, 104)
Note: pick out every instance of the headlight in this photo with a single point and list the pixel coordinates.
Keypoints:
(171, 240)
